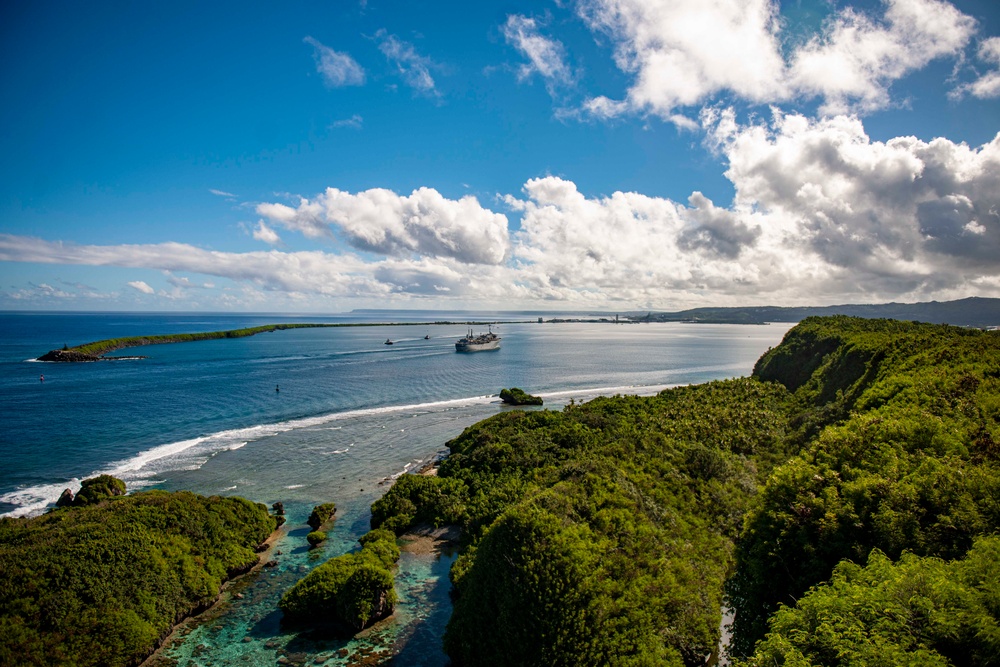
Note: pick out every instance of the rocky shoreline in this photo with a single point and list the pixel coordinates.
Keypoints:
(73, 356)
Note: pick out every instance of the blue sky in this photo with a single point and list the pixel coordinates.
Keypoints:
(594, 154)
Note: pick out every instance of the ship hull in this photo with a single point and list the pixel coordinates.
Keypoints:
(477, 347)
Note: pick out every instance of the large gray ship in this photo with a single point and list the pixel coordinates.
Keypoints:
(473, 343)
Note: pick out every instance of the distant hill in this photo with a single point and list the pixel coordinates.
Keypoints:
(970, 312)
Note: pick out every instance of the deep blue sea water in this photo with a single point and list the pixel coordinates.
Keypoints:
(351, 415)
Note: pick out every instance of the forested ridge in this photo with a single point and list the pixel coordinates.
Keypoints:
(852, 482)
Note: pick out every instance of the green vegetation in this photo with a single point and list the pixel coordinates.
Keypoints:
(515, 396)
(600, 535)
(98, 348)
(99, 488)
(920, 611)
(321, 514)
(608, 533)
(316, 537)
(899, 450)
(103, 582)
(352, 591)
(416, 499)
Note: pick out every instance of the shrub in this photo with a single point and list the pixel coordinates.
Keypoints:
(100, 584)
(99, 488)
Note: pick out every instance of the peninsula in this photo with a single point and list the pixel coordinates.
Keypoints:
(97, 350)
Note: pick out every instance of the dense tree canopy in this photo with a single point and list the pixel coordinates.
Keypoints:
(897, 426)
(99, 584)
(603, 534)
(350, 591)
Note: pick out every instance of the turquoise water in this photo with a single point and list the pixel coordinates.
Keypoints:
(352, 414)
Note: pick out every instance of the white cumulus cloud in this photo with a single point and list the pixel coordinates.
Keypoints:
(682, 53)
(986, 85)
(379, 220)
(629, 246)
(898, 216)
(856, 58)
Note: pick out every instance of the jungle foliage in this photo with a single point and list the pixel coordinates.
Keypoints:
(599, 535)
(518, 396)
(607, 534)
(918, 611)
(101, 583)
(353, 590)
(899, 450)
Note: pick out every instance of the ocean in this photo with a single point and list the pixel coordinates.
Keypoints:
(306, 416)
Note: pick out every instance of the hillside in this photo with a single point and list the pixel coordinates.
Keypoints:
(970, 312)
(611, 533)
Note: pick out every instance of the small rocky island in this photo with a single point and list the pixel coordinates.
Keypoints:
(515, 396)
(347, 593)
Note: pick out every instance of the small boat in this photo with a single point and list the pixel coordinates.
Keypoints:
(387, 342)
(427, 337)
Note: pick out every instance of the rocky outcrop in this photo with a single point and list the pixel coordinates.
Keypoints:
(347, 593)
(98, 488)
(66, 499)
(321, 514)
(67, 356)
(515, 396)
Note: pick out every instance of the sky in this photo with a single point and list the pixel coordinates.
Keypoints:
(317, 157)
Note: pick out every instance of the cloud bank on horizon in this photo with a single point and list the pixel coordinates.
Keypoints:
(820, 213)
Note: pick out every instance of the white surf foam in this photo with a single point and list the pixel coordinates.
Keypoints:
(142, 469)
